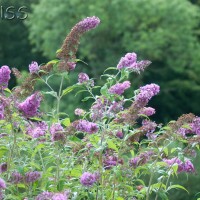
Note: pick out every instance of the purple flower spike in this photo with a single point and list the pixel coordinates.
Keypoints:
(188, 166)
(4, 76)
(33, 67)
(59, 196)
(88, 179)
(86, 126)
(146, 93)
(3, 167)
(173, 161)
(82, 78)
(30, 105)
(148, 111)
(127, 61)
(71, 65)
(56, 131)
(88, 23)
(44, 196)
(37, 130)
(31, 177)
(16, 178)
(119, 88)
(196, 125)
(2, 184)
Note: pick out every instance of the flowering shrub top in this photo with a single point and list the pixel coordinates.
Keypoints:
(113, 151)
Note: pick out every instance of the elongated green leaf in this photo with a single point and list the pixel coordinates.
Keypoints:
(66, 122)
(112, 145)
(52, 93)
(68, 90)
(177, 187)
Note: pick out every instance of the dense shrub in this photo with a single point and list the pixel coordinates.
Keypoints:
(113, 151)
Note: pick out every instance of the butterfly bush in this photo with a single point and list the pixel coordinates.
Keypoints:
(112, 150)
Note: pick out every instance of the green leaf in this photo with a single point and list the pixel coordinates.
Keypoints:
(77, 171)
(104, 90)
(8, 90)
(112, 145)
(66, 122)
(177, 187)
(60, 185)
(87, 98)
(52, 93)
(120, 198)
(3, 151)
(166, 151)
(53, 61)
(58, 51)
(79, 60)
(74, 139)
(68, 90)
(110, 68)
(36, 119)
(132, 153)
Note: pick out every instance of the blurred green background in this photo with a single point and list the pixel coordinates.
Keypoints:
(167, 32)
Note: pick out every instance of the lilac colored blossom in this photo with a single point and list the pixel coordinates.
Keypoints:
(59, 196)
(88, 23)
(2, 184)
(53, 196)
(140, 66)
(31, 177)
(79, 112)
(88, 179)
(4, 76)
(83, 77)
(119, 88)
(116, 107)
(56, 131)
(3, 167)
(99, 108)
(134, 161)
(184, 131)
(146, 93)
(196, 125)
(71, 65)
(148, 111)
(149, 127)
(37, 129)
(86, 126)
(111, 161)
(188, 166)
(34, 67)
(141, 159)
(4, 102)
(16, 178)
(30, 106)
(120, 134)
(129, 60)
(177, 161)
(44, 196)
(1, 111)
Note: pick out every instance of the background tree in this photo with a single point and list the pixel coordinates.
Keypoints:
(164, 32)
(15, 47)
